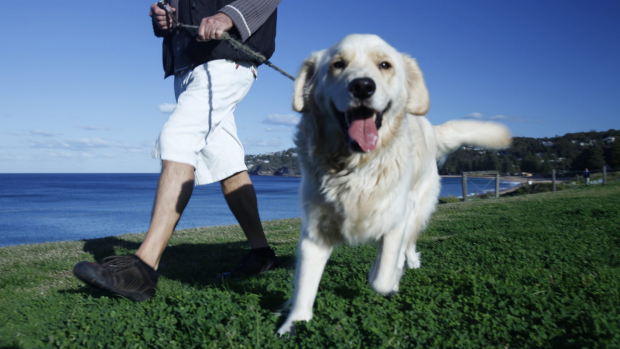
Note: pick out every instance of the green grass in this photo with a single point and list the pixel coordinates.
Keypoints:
(528, 271)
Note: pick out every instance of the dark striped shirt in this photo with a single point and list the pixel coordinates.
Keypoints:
(249, 15)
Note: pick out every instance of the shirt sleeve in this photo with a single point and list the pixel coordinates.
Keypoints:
(249, 15)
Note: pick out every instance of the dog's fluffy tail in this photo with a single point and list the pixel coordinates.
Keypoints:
(456, 133)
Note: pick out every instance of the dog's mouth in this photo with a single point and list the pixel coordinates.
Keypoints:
(361, 126)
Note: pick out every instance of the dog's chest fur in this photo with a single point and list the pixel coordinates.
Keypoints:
(371, 195)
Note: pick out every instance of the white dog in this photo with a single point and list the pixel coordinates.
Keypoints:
(368, 160)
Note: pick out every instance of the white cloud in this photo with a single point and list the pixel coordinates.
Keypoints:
(254, 142)
(96, 128)
(509, 118)
(37, 133)
(43, 133)
(84, 144)
(76, 144)
(513, 118)
(4, 155)
(130, 149)
(167, 108)
(281, 119)
(474, 115)
(275, 129)
(69, 155)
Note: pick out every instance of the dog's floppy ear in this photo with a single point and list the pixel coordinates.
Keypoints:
(306, 74)
(417, 101)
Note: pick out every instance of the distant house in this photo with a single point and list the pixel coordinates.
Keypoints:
(546, 143)
(294, 155)
(250, 166)
(574, 142)
(561, 159)
(266, 162)
(609, 139)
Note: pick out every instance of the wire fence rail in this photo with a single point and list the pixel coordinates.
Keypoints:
(600, 176)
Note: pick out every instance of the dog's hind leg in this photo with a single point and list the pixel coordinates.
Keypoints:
(310, 265)
(413, 258)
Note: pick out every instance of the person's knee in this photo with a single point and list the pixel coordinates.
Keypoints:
(236, 181)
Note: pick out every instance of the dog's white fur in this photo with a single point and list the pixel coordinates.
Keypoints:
(387, 194)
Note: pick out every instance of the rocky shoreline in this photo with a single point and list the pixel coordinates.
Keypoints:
(281, 172)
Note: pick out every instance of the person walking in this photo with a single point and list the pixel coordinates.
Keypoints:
(199, 144)
(586, 176)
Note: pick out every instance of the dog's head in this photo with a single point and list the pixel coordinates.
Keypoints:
(360, 85)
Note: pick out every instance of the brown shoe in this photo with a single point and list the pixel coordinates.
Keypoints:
(255, 262)
(127, 276)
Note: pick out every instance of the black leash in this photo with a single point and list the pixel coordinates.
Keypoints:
(225, 36)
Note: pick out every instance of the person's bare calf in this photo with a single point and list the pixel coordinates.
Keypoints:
(175, 187)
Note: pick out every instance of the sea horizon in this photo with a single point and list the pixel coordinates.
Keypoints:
(47, 207)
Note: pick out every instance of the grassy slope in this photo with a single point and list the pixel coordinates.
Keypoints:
(530, 271)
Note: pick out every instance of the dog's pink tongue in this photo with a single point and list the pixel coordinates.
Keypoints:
(364, 132)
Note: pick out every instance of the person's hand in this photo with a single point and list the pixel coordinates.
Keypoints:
(213, 27)
(160, 17)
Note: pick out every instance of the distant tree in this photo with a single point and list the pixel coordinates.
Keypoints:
(613, 159)
(594, 157)
(506, 165)
(492, 162)
(531, 163)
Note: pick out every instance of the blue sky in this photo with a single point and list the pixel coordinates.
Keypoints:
(82, 88)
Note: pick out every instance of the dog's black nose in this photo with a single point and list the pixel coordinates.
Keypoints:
(362, 88)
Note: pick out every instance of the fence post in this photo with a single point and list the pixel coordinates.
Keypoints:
(553, 179)
(464, 177)
(605, 175)
(497, 185)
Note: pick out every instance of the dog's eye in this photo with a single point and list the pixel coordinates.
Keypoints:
(385, 65)
(338, 65)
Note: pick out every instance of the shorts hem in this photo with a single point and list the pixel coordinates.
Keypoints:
(188, 160)
(217, 177)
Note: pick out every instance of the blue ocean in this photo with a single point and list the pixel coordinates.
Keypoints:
(37, 208)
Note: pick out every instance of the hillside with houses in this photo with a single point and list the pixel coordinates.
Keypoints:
(281, 163)
(571, 152)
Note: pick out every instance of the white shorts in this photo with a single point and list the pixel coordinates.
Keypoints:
(201, 130)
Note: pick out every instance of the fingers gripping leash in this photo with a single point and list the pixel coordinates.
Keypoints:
(225, 36)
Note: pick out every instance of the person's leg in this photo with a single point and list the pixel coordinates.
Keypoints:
(174, 190)
(134, 276)
(241, 198)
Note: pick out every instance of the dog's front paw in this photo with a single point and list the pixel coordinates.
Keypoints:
(287, 327)
(414, 260)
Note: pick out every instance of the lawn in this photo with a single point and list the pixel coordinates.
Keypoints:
(539, 270)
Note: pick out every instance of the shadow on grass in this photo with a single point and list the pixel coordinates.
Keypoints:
(196, 265)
